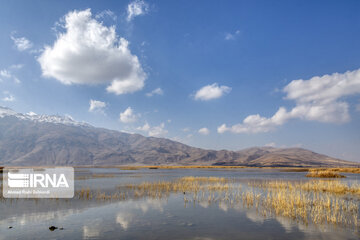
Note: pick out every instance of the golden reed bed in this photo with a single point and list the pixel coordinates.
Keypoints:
(324, 174)
(310, 202)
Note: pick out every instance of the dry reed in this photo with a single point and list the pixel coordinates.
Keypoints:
(309, 202)
(336, 187)
(324, 174)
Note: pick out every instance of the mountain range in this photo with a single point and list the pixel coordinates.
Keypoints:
(31, 139)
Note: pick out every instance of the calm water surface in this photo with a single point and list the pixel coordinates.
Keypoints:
(167, 218)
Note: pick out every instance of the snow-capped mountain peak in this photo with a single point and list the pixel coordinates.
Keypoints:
(67, 119)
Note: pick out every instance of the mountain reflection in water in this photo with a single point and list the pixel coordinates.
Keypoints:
(175, 214)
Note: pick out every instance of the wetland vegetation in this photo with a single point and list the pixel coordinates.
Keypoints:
(236, 196)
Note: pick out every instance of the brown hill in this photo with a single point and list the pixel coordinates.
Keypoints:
(51, 140)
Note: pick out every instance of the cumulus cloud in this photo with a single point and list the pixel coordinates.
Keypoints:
(21, 43)
(128, 116)
(204, 131)
(223, 128)
(96, 106)
(320, 98)
(212, 91)
(136, 8)
(144, 128)
(256, 123)
(154, 131)
(8, 97)
(157, 91)
(158, 131)
(87, 52)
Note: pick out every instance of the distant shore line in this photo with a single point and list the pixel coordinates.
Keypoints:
(282, 168)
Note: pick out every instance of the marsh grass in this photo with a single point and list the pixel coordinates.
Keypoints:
(340, 170)
(183, 185)
(347, 170)
(318, 202)
(343, 170)
(310, 207)
(315, 202)
(129, 168)
(328, 186)
(87, 194)
(324, 174)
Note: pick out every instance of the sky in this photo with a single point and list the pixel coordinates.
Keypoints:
(210, 74)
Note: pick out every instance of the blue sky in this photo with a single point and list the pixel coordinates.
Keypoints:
(211, 74)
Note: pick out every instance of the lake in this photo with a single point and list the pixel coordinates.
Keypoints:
(111, 203)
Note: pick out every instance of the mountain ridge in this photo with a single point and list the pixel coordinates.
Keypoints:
(28, 139)
(67, 120)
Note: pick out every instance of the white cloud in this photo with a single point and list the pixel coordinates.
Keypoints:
(106, 14)
(321, 98)
(136, 8)
(144, 128)
(88, 52)
(16, 80)
(212, 91)
(324, 89)
(158, 131)
(8, 97)
(317, 99)
(17, 66)
(128, 116)
(271, 144)
(223, 128)
(186, 129)
(232, 36)
(256, 123)
(155, 131)
(229, 36)
(157, 91)
(6, 73)
(96, 106)
(204, 131)
(21, 43)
